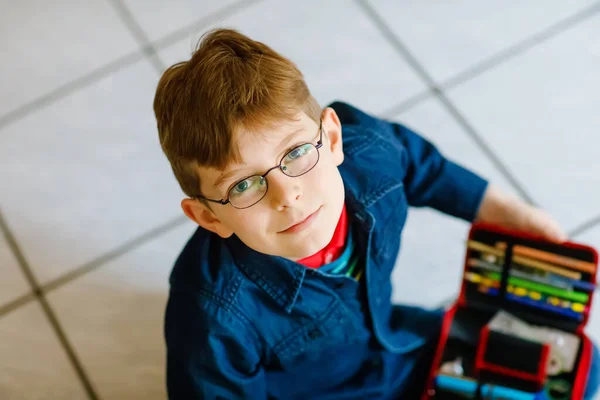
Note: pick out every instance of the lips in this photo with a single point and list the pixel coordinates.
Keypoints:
(298, 225)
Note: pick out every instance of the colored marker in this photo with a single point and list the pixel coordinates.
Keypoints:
(574, 296)
(468, 387)
(520, 291)
(534, 303)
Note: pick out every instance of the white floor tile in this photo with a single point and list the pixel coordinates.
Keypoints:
(33, 364)
(161, 17)
(449, 37)
(114, 318)
(87, 173)
(430, 264)
(590, 238)
(539, 113)
(44, 47)
(13, 283)
(341, 53)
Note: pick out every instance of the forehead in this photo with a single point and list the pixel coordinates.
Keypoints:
(267, 133)
(268, 139)
(257, 145)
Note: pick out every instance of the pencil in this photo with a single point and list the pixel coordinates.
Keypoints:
(547, 267)
(579, 265)
(525, 260)
(547, 279)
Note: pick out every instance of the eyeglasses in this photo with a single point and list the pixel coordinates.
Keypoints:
(296, 162)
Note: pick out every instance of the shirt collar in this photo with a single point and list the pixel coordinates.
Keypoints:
(335, 247)
(279, 277)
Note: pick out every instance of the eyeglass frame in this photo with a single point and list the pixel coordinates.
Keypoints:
(264, 176)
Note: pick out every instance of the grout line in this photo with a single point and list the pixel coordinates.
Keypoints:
(69, 88)
(92, 265)
(485, 148)
(494, 60)
(16, 303)
(408, 104)
(138, 33)
(119, 251)
(193, 28)
(68, 347)
(395, 42)
(584, 227)
(101, 72)
(25, 267)
(462, 121)
(19, 256)
(513, 51)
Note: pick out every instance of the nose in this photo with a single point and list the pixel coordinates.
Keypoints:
(284, 191)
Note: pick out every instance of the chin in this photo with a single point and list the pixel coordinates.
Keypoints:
(316, 241)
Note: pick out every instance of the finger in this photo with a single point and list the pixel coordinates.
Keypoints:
(542, 224)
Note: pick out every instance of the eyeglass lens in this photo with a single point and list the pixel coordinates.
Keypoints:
(296, 162)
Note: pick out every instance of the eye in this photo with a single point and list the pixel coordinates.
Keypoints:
(242, 186)
(298, 152)
(247, 186)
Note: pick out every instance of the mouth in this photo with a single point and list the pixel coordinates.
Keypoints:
(303, 224)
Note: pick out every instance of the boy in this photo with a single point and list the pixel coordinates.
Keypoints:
(284, 290)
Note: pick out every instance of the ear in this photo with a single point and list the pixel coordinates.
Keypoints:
(333, 128)
(201, 214)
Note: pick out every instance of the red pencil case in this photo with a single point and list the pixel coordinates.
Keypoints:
(495, 359)
(519, 321)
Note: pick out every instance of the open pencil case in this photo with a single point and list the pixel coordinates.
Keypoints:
(517, 329)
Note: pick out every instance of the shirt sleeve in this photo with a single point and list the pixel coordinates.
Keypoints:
(210, 355)
(432, 180)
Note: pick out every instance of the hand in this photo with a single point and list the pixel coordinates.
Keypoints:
(512, 213)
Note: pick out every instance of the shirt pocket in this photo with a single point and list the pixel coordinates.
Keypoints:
(335, 327)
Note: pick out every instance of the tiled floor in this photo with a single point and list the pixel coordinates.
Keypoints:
(89, 210)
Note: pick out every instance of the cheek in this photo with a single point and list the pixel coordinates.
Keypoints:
(326, 180)
(252, 221)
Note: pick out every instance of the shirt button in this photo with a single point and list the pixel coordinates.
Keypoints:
(328, 258)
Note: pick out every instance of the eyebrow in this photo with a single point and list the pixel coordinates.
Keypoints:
(282, 145)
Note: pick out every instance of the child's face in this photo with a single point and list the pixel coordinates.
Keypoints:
(267, 225)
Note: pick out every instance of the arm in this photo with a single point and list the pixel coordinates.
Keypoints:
(210, 357)
(435, 181)
(432, 180)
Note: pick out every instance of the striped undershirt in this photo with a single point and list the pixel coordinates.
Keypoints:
(348, 263)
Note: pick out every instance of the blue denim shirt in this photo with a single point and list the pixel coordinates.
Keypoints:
(240, 324)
